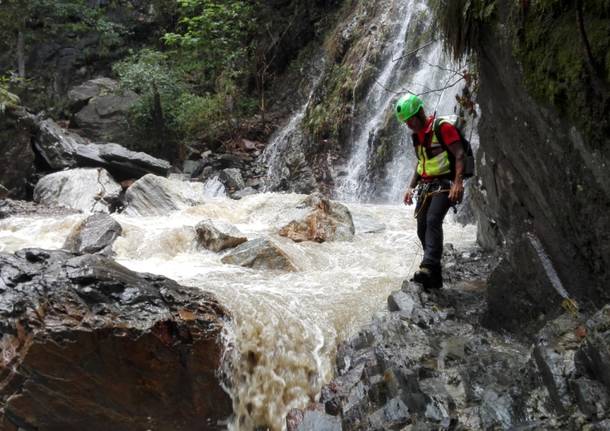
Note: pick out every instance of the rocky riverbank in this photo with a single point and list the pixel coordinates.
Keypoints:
(428, 363)
(88, 344)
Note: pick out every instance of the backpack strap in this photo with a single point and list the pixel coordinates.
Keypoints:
(437, 131)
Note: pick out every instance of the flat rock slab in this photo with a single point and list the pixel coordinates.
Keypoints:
(88, 344)
(326, 221)
(261, 253)
(152, 195)
(95, 234)
(218, 236)
(89, 190)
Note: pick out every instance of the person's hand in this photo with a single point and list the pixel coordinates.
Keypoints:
(456, 193)
(408, 199)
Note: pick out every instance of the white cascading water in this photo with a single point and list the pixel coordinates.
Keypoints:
(394, 80)
(286, 325)
(290, 135)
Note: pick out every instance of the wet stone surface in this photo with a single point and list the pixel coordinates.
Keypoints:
(429, 364)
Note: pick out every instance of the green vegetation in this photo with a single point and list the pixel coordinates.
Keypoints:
(558, 67)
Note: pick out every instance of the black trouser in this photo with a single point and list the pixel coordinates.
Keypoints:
(430, 227)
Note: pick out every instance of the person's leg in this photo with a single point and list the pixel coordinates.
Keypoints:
(433, 250)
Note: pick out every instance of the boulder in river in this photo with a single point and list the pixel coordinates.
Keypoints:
(89, 190)
(62, 149)
(260, 253)
(156, 196)
(218, 236)
(88, 344)
(95, 234)
(327, 221)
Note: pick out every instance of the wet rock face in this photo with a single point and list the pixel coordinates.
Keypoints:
(10, 208)
(16, 155)
(326, 221)
(538, 173)
(261, 253)
(521, 292)
(217, 236)
(89, 190)
(95, 234)
(88, 344)
(156, 196)
(102, 110)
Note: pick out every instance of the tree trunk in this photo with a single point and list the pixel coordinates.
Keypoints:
(21, 53)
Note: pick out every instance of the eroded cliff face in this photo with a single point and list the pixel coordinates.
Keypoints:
(544, 164)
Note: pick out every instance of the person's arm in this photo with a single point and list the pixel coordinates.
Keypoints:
(457, 188)
(408, 199)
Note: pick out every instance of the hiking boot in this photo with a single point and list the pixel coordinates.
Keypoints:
(429, 278)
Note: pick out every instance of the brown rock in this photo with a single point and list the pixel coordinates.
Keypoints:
(327, 221)
(218, 236)
(260, 253)
(89, 344)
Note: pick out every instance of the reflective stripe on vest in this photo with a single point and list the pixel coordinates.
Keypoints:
(435, 166)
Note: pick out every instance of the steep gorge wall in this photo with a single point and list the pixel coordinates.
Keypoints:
(543, 161)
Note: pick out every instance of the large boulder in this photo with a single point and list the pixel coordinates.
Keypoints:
(57, 146)
(61, 149)
(325, 221)
(154, 196)
(105, 107)
(95, 234)
(88, 190)
(218, 236)
(261, 253)
(88, 344)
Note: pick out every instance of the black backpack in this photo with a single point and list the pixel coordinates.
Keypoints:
(469, 156)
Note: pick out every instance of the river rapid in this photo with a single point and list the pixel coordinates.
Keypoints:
(286, 326)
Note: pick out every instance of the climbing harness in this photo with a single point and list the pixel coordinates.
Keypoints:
(425, 191)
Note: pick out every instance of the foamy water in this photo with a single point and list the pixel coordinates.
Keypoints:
(286, 325)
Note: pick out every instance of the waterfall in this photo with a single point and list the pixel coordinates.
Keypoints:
(285, 146)
(396, 76)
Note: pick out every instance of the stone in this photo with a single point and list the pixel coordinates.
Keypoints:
(95, 234)
(88, 190)
(594, 352)
(16, 154)
(326, 221)
(232, 179)
(319, 421)
(57, 146)
(62, 149)
(80, 95)
(592, 397)
(402, 302)
(11, 208)
(4, 192)
(218, 236)
(248, 191)
(152, 195)
(92, 345)
(260, 253)
(522, 292)
(104, 111)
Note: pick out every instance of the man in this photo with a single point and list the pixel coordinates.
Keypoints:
(439, 176)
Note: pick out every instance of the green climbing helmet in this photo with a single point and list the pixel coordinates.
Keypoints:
(407, 106)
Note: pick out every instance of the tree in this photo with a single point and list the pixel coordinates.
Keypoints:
(213, 32)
